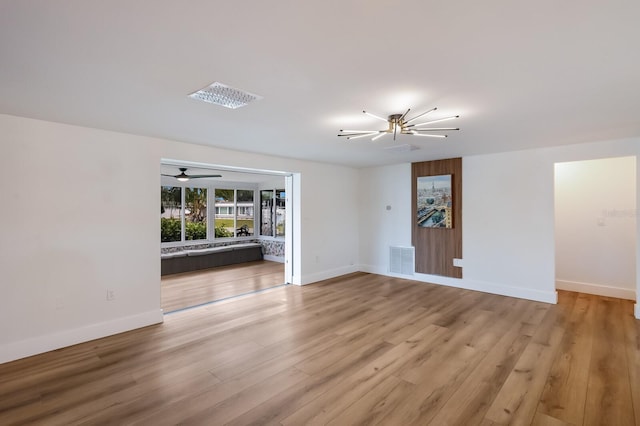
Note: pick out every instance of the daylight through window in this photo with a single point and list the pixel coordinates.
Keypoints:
(171, 214)
(184, 215)
(272, 212)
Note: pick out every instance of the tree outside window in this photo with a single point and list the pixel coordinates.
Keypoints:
(195, 214)
(170, 214)
(174, 218)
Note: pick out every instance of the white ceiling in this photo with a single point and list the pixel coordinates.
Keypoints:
(520, 74)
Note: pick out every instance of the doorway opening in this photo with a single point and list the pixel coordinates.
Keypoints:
(595, 227)
(225, 232)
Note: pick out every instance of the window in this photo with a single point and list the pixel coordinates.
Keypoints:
(224, 217)
(244, 223)
(174, 219)
(170, 214)
(234, 213)
(185, 215)
(195, 214)
(272, 212)
(280, 212)
(266, 216)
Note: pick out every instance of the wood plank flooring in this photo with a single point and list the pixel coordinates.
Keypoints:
(359, 349)
(195, 288)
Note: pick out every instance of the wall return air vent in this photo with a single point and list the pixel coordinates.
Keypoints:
(402, 260)
(223, 95)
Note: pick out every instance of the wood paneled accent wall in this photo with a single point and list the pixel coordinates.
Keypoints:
(437, 247)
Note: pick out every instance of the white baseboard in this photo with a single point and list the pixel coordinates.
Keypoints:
(325, 275)
(600, 290)
(49, 342)
(485, 287)
(271, 258)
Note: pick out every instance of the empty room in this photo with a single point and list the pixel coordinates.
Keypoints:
(409, 213)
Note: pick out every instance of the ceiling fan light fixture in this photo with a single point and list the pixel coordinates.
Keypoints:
(375, 116)
(436, 129)
(428, 135)
(364, 135)
(398, 124)
(420, 115)
(381, 134)
(435, 121)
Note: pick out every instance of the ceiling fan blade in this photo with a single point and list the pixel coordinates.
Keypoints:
(203, 176)
(169, 175)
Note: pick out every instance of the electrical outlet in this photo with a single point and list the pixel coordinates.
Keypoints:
(111, 294)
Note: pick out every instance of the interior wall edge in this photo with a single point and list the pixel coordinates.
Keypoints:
(49, 342)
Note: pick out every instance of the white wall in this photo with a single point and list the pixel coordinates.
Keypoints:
(80, 216)
(508, 217)
(595, 226)
(380, 228)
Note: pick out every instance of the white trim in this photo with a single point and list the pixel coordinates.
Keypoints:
(485, 287)
(599, 289)
(272, 258)
(49, 342)
(637, 311)
(288, 227)
(325, 275)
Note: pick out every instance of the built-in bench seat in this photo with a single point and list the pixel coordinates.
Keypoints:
(193, 260)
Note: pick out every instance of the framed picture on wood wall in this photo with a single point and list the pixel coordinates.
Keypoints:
(434, 202)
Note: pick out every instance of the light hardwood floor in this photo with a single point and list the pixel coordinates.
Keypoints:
(195, 288)
(360, 349)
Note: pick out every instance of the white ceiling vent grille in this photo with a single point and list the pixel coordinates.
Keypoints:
(223, 95)
(401, 260)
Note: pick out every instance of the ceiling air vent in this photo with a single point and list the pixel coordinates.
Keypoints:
(223, 95)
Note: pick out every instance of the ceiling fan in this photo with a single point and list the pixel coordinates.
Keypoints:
(183, 177)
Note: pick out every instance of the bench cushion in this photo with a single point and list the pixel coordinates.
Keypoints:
(193, 260)
(173, 255)
(202, 252)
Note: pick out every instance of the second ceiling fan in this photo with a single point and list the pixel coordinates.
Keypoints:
(183, 176)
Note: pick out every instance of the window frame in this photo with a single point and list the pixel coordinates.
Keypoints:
(275, 191)
(211, 238)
